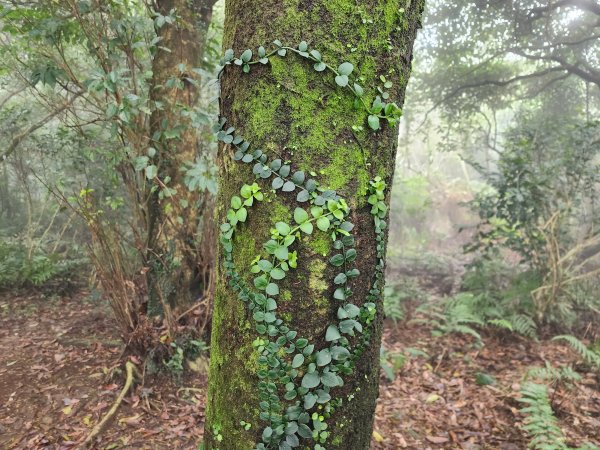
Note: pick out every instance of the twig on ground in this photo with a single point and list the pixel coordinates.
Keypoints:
(130, 370)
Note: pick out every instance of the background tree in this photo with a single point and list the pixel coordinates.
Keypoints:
(325, 139)
(117, 72)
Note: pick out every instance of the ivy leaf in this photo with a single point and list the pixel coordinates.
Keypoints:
(315, 54)
(374, 122)
(309, 401)
(228, 55)
(297, 361)
(323, 357)
(241, 214)
(261, 282)
(277, 274)
(332, 333)
(323, 223)
(359, 90)
(271, 304)
(353, 273)
(352, 310)
(246, 191)
(277, 183)
(282, 253)
(298, 177)
(340, 353)
(307, 227)
(330, 379)
(303, 196)
(308, 350)
(311, 380)
(316, 211)
(272, 289)
(301, 343)
(246, 56)
(140, 163)
(341, 80)
(320, 66)
(345, 68)
(304, 431)
(303, 46)
(300, 216)
(341, 278)
(351, 255)
(236, 202)
(337, 260)
(311, 185)
(339, 294)
(285, 170)
(288, 186)
(151, 172)
(283, 228)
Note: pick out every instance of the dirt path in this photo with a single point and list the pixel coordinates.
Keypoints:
(57, 355)
(435, 401)
(56, 361)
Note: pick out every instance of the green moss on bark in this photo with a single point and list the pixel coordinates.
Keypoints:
(288, 109)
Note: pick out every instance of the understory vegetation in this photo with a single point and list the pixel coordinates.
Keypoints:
(116, 235)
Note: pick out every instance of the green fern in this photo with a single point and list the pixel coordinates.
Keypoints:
(502, 323)
(540, 422)
(392, 304)
(589, 356)
(552, 374)
(524, 325)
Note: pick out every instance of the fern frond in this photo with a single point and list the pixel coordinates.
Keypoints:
(553, 374)
(588, 355)
(540, 422)
(501, 323)
(524, 325)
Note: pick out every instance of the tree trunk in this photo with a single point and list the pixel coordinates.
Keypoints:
(268, 387)
(174, 240)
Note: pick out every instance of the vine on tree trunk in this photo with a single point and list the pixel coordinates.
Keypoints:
(296, 380)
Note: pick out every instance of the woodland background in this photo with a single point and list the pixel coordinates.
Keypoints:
(492, 300)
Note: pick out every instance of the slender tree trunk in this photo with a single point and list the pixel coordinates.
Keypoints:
(174, 240)
(294, 113)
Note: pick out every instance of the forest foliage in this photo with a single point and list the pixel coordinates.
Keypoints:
(501, 123)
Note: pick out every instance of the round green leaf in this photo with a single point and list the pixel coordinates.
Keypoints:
(283, 228)
(323, 223)
(345, 68)
(307, 227)
(272, 289)
(311, 380)
(151, 172)
(323, 357)
(277, 274)
(332, 333)
(374, 122)
(300, 216)
(329, 379)
(297, 361)
(241, 214)
(341, 80)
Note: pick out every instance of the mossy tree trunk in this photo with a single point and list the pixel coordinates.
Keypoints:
(300, 115)
(174, 238)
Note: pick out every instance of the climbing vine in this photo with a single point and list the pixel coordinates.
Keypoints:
(296, 380)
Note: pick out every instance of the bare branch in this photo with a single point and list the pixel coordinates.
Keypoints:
(21, 136)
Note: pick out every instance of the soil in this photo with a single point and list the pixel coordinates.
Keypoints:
(61, 369)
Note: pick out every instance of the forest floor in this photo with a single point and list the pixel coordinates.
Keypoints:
(59, 374)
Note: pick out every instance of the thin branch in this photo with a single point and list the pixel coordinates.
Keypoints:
(21, 136)
(488, 82)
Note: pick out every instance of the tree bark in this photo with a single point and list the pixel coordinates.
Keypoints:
(174, 238)
(294, 113)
